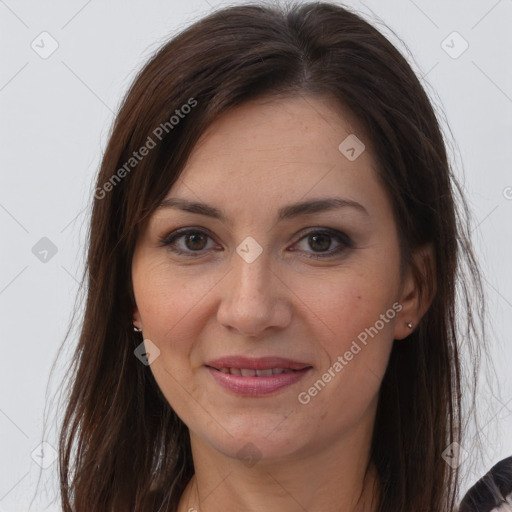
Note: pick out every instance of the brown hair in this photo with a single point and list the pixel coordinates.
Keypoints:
(122, 447)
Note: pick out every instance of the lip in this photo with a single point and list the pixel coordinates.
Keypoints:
(256, 386)
(257, 363)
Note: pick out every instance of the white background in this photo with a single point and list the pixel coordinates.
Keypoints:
(55, 116)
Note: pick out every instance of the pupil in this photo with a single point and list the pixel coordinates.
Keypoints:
(195, 241)
(322, 242)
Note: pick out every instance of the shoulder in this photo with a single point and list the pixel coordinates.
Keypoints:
(493, 492)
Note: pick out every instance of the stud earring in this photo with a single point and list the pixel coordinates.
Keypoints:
(136, 329)
(409, 324)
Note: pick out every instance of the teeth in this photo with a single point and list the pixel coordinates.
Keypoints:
(248, 372)
(264, 373)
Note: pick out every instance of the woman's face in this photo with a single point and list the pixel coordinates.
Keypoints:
(286, 262)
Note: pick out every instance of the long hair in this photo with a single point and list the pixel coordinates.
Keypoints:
(122, 448)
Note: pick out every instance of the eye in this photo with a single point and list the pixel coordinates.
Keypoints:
(321, 243)
(189, 241)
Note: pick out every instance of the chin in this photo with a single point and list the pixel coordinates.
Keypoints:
(254, 442)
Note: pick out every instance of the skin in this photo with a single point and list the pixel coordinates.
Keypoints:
(252, 161)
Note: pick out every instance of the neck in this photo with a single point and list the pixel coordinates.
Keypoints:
(330, 480)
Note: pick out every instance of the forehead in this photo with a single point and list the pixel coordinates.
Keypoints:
(301, 128)
(270, 149)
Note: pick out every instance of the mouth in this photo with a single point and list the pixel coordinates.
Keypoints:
(256, 377)
(248, 372)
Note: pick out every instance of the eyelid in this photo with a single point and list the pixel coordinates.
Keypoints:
(345, 242)
(335, 233)
(168, 239)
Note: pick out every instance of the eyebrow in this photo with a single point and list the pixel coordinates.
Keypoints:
(286, 212)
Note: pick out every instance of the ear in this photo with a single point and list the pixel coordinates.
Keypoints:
(136, 318)
(418, 291)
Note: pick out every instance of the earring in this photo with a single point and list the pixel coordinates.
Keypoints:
(136, 329)
(409, 325)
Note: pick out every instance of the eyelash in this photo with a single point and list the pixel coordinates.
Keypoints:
(344, 241)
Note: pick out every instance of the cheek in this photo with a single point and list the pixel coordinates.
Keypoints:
(174, 307)
(351, 317)
(170, 306)
(170, 302)
(356, 335)
(343, 304)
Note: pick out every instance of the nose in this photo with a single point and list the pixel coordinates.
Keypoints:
(254, 298)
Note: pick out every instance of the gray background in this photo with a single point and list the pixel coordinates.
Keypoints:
(56, 113)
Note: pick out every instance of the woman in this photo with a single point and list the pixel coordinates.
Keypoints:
(274, 255)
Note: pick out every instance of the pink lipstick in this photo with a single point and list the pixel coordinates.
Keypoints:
(256, 376)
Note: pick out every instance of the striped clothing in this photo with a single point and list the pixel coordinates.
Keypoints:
(506, 506)
(493, 492)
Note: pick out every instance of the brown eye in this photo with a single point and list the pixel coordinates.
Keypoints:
(189, 242)
(196, 241)
(319, 242)
(324, 243)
